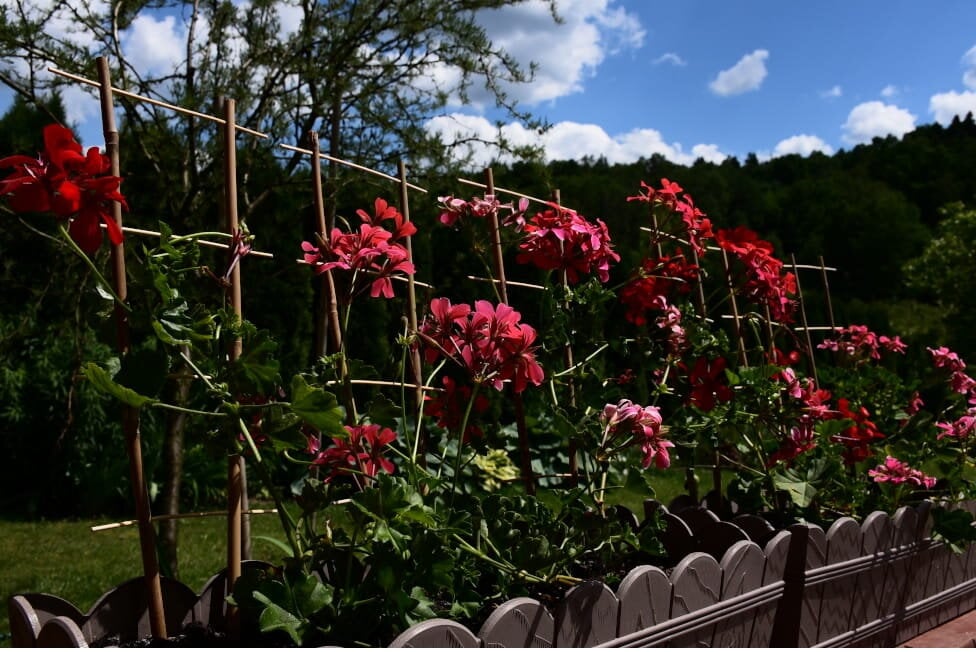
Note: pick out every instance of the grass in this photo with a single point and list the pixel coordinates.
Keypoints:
(67, 559)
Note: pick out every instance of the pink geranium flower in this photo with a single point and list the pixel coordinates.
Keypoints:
(893, 471)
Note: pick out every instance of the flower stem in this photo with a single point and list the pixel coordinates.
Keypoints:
(460, 441)
(91, 265)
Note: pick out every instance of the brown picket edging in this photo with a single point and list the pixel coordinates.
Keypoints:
(883, 582)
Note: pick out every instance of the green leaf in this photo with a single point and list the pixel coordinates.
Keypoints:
(383, 410)
(801, 492)
(311, 595)
(316, 406)
(275, 618)
(104, 383)
(954, 527)
(284, 547)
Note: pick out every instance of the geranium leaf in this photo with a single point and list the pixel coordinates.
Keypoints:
(317, 407)
(103, 382)
(801, 492)
(275, 618)
(311, 595)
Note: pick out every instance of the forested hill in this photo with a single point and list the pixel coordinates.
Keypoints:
(867, 210)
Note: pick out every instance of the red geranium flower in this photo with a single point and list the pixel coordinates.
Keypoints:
(707, 386)
(361, 453)
(71, 184)
(373, 251)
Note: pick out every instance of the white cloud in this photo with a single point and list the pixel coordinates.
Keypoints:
(567, 141)
(889, 91)
(945, 106)
(746, 75)
(566, 53)
(834, 91)
(969, 76)
(802, 144)
(871, 119)
(670, 57)
(154, 45)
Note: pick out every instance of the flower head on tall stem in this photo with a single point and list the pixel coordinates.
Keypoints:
(72, 184)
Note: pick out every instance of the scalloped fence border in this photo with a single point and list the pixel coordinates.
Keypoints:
(740, 583)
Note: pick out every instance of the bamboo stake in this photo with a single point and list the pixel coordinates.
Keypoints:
(492, 189)
(571, 383)
(830, 307)
(531, 286)
(159, 103)
(502, 286)
(412, 324)
(130, 415)
(205, 243)
(235, 489)
(806, 329)
(735, 310)
(329, 318)
(176, 517)
(355, 166)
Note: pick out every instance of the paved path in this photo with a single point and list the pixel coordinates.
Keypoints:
(958, 632)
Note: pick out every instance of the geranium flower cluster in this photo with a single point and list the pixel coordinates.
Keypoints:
(656, 278)
(893, 471)
(489, 342)
(373, 253)
(561, 239)
(453, 210)
(361, 454)
(72, 185)
(802, 435)
(860, 435)
(449, 407)
(697, 227)
(857, 341)
(960, 382)
(709, 384)
(627, 423)
(765, 282)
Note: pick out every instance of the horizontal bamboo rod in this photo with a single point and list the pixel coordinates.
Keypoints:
(514, 193)
(206, 243)
(531, 286)
(172, 517)
(160, 103)
(386, 383)
(401, 279)
(350, 164)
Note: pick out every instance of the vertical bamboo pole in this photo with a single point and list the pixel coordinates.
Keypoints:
(235, 492)
(571, 383)
(737, 320)
(412, 325)
(130, 415)
(806, 325)
(826, 284)
(525, 458)
(329, 317)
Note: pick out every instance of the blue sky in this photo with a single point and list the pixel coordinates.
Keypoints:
(626, 79)
(768, 77)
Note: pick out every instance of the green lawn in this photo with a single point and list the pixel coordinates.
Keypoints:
(69, 560)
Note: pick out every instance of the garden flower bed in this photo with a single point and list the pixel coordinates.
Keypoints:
(493, 463)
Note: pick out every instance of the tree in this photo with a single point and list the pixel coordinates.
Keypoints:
(945, 275)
